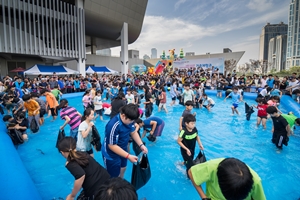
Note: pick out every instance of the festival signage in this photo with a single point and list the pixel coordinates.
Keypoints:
(205, 63)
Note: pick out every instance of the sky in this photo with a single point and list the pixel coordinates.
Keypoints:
(203, 26)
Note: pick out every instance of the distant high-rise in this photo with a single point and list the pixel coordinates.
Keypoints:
(153, 53)
(269, 31)
(293, 38)
(277, 53)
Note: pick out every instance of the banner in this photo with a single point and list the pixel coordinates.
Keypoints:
(206, 63)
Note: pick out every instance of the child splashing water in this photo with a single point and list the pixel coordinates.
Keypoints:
(262, 111)
(236, 99)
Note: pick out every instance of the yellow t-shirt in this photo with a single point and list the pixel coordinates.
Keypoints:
(31, 105)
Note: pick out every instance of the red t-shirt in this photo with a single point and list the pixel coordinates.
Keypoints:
(262, 110)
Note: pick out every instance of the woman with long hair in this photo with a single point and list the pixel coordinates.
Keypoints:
(88, 173)
(84, 136)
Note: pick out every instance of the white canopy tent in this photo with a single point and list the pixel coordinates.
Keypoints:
(49, 69)
(100, 70)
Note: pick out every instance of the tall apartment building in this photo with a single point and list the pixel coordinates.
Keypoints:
(277, 53)
(293, 38)
(153, 53)
(270, 31)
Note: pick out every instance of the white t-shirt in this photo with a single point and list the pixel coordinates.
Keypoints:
(210, 101)
(188, 95)
(84, 144)
(130, 98)
(97, 100)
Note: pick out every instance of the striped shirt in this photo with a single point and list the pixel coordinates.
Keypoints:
(72, 113)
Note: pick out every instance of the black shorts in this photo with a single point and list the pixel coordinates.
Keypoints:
(174, 98)
(42, 112)
(53, 111)
(263, 117)
(99, 112)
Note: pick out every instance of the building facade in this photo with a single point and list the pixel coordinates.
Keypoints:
(277, 53)
(104, 52)
(133, 54)
(153, 53)
(293, 36)
(57, 31)
(269, 31)
(189, 53)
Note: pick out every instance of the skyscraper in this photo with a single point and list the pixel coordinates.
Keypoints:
(269, 31)
(153, 53)
(293, 43)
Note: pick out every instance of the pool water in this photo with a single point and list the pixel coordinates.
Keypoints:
(222, 135)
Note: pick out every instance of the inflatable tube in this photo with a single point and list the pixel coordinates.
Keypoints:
(15, 180)
(287, 102)
(246, 95)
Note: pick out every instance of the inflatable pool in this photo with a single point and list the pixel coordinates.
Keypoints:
(16, 182)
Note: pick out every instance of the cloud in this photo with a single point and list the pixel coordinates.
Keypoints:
(165, 33)
(178, 3)
(260, 5)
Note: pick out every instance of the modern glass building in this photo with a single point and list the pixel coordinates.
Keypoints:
(269, 31)
(293, 38)
(51, 31)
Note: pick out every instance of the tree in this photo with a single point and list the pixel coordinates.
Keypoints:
(229, 65)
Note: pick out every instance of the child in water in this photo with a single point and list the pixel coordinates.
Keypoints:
(210, 102)
(187, 140)
(236, 99)
(262, 111)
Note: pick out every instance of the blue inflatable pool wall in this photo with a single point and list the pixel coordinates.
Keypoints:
(15, 180)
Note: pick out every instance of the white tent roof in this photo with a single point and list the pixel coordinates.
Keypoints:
(49, 69)
(100, 70)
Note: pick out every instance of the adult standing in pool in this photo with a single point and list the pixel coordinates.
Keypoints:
(117, 134)
(88, 173)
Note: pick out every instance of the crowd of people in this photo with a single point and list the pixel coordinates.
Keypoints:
(21, 105)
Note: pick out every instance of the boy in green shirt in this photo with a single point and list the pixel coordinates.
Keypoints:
(227, 178)
(292, 120)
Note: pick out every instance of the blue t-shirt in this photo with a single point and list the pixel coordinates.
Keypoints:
(275, 92)
(153, 118)
(270, 82)
(235, 97)
(116, 132)
(114, 92)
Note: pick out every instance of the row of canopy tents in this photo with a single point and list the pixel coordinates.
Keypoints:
(61, 70)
